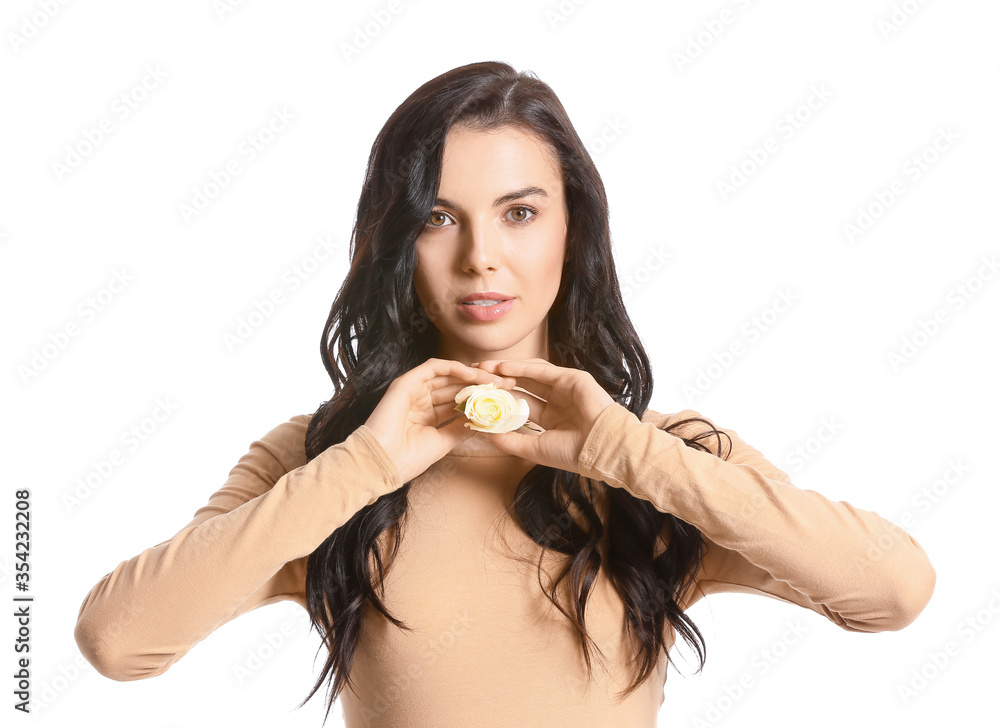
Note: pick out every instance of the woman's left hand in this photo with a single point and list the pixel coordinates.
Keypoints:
(566, 404)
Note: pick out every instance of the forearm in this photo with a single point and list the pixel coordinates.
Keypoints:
(148, 612)
(821, 549)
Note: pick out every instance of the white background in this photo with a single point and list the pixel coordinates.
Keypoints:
(819, 375)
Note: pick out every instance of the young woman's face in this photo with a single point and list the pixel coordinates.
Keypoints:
(499, 225)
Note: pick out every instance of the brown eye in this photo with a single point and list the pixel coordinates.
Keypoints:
(437, 216)
(520, 214)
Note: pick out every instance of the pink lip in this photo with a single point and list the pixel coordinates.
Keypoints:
(486, 296)
(485, 313)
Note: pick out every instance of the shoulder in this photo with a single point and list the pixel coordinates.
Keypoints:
(293, 428)
(690, 424)
(284, 444)
(686, 420)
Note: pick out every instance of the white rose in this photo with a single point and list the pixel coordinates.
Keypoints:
(490, 409)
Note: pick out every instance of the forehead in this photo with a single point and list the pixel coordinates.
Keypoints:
(496, 160)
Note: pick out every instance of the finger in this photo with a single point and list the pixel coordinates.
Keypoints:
(535, 375)
(438, 415)
(441, 413)
(493, 362)
(469, 375)
(455, 432)
(447, 391)
(450, 367)
(539, 369)
(443, 370)
(516, 443)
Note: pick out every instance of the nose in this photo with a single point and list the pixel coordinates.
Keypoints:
(482, 247)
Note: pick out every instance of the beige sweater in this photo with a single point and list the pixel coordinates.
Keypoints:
(487, 644)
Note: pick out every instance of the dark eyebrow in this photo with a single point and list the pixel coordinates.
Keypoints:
(509, 197)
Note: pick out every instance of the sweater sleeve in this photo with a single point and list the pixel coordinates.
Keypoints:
(246, 548)
(764, 535)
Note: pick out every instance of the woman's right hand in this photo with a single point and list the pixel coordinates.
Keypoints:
(407, 419)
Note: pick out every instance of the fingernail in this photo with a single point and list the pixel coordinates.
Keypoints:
(474, 364)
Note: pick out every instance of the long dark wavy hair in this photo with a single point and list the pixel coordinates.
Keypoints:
(588, 329)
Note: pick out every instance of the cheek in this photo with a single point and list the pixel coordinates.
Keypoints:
(431, 284)
(548, 256)
(420, 275)
(421, 291)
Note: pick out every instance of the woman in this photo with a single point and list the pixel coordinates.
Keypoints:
(464, 578)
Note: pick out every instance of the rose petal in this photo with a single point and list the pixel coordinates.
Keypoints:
(467, 391)
(519, 417)
(491, 409)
